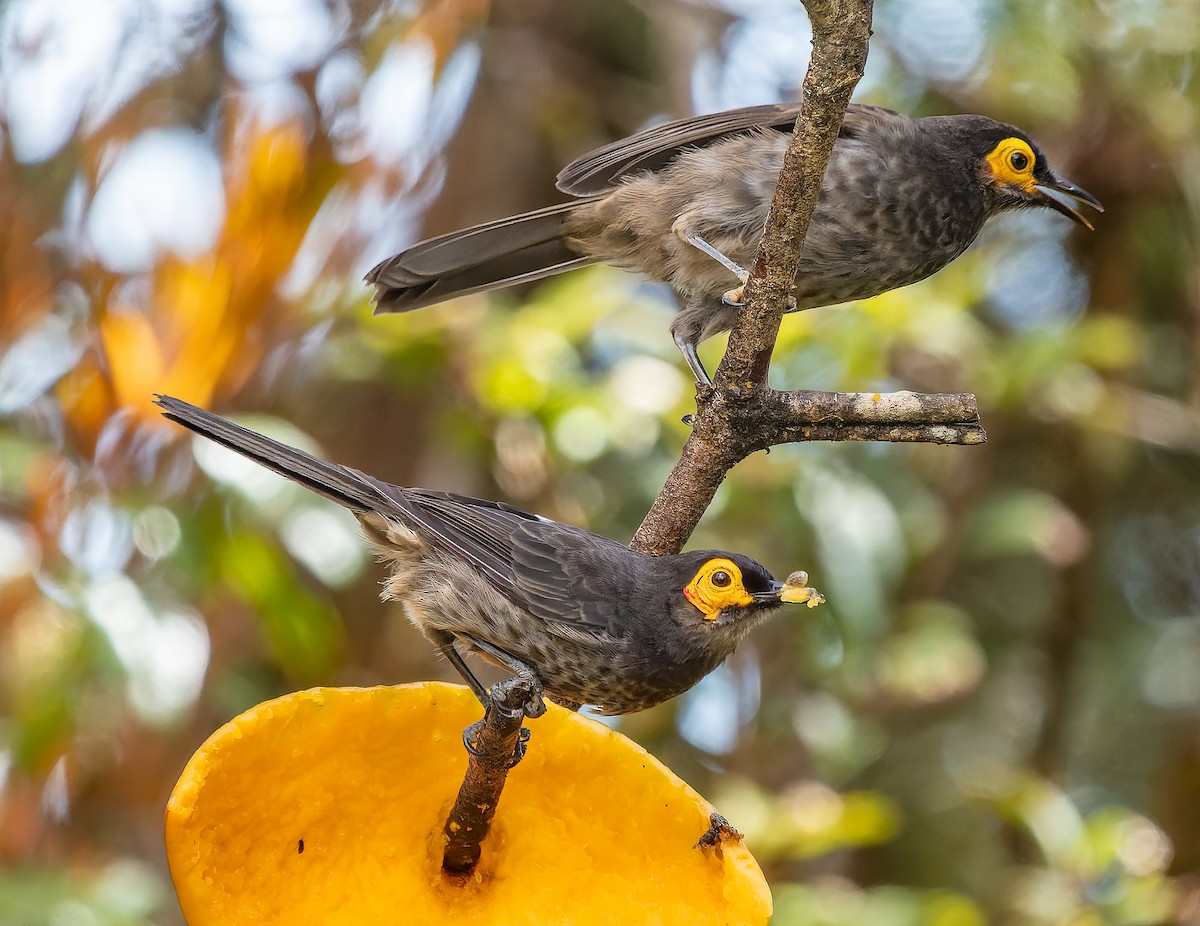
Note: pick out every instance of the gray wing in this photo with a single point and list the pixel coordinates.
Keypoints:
(478, 530)
(604, 168)
(579, 584)
(563, 575)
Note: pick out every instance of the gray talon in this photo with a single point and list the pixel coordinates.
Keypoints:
(469, 735)
(536, 705)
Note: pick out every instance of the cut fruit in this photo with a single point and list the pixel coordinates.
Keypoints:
(326, 807)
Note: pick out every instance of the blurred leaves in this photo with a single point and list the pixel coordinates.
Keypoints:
(125, 893)
(809, 819)
(993, 719)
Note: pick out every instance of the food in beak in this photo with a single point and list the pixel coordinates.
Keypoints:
(796, 590)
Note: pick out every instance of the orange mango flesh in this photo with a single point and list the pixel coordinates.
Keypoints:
(590, 829)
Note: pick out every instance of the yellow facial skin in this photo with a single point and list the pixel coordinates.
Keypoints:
(718, 585)
(1012, 162)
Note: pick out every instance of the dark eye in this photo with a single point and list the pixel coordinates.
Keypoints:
(720, 578)
(1019, 160)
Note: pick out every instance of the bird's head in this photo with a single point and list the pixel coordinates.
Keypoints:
(1015, 174)
(725, 588)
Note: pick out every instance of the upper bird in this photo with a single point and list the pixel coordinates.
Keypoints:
(582, 617)
(686, 203)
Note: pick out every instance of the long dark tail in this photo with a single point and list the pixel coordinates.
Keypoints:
(519, 249)
(465, 526)
(357, 491)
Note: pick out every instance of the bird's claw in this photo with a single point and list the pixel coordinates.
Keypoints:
(737, 295)
(471, 734)
(519, 749)
(524, 685)
(536, 705)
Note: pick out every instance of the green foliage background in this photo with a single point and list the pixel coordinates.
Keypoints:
(995, 718)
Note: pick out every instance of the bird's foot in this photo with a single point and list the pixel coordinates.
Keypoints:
(470, 740)
(522, 692)
(737, 295)
(470, 737)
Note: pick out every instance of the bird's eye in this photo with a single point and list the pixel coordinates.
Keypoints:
(1019, 161)
(716, 588)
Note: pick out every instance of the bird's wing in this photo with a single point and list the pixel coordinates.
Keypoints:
(600, 170)
(560, 574)
(579, 584)
(478, 530)
(860, 118)
(653, 148)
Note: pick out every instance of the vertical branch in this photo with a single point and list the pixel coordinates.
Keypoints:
(494, 745)
(841, 31)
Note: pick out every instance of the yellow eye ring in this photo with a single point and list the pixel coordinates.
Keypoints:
(1011, 163)
(717, 586)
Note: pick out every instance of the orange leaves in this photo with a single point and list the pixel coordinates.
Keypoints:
(269, 207)
(209, 320)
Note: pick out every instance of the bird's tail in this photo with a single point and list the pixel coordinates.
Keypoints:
(519, 249)
(356, 491)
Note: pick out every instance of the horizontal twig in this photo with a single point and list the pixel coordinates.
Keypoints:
(966, 434)
(731, 424)
(768, 417)
(875, 407)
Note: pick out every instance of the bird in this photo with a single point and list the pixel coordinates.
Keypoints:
(686, 203)
(582, 618)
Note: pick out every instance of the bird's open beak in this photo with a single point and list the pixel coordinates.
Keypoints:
(796, 590)
(1063, 196)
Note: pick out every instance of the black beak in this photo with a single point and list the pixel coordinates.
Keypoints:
(772, 595)
(1063, 196)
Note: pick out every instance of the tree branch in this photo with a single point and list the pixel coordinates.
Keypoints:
(739, 414)
(841, 31)
(494, 745)
(729, 425)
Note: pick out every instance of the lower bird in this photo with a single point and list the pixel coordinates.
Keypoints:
(686, 203)
(583, 618)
